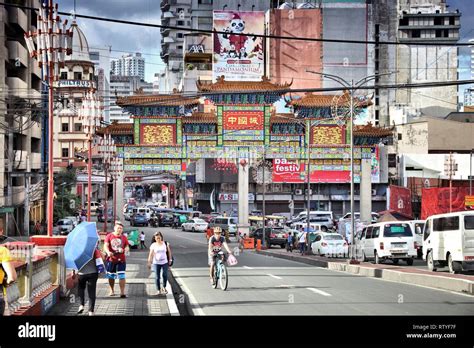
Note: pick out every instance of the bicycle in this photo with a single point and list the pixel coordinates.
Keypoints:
(220, 272)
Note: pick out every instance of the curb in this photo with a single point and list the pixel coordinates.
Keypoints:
(185, 301)
(428, 280)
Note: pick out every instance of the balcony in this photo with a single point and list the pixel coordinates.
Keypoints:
(17, 87)
(35, 160)
(17, 51)
(36, 130)
(167, 40)
(17, 17)
(165, 31)
(168, 14)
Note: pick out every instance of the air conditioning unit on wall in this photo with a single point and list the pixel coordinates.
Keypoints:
(298, 192)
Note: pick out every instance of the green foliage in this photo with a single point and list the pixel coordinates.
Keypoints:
(65, 203)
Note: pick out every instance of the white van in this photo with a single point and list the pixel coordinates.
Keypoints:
(324, 218)
(392, 240)
(448, 240)
(146, 211)
(417, 227)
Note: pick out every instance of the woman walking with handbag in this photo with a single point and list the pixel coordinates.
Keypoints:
(160, 257)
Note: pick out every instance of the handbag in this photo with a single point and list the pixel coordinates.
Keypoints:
(231, 260)
(168, 255)
(99, 261)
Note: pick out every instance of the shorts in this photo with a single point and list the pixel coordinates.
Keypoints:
(115, 270)
(212, 259)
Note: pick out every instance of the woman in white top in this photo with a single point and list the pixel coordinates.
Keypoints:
(160, 257)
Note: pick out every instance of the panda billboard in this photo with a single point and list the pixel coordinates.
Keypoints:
(238, 53)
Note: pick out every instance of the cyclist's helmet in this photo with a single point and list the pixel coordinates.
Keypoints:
(217, 229)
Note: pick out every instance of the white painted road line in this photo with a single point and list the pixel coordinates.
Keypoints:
(317, 291)
(247, 267)
(183, 246)
(274, 276)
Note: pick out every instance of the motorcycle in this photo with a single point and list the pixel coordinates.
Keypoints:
(154, 221)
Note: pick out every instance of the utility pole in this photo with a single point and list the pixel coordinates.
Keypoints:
(308, 181)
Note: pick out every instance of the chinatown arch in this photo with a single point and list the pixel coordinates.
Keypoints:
(236, 122)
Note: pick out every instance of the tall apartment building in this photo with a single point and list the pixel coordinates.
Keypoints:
(426, 21)
(21, 111)
(129, 65)
(121, 86)
(100, 56)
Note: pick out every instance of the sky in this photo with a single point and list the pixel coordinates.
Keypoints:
(132, 39)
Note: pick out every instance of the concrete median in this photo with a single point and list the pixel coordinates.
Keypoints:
(402, 275)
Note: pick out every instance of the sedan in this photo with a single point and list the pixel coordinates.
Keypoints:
(101, 216)
(195, 224)
(330, 244)
(139, 219)
(65, 226)
(166, 219)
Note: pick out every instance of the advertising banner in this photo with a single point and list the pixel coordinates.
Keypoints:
(400, 200)
(285, 171)
(238, 57)
(436, 200)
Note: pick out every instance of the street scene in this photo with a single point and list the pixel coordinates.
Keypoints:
(238, 158)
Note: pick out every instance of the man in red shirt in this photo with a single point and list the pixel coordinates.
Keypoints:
(116, 247)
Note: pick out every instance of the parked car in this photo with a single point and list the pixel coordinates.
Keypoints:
(94, 206)
(392, 240)
(143, 210)
(226, 223)
(330, 244)
(74, 220)
(162, 205)
(195, 224)
(101, 215)
(139, 219)
(448, 240)
(417, 227)
(65, 226)
(325, 218)
(315, 225)
(128, 213)
(273, 236)
(347, 217)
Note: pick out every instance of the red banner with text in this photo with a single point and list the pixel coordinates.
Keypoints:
(400, 200)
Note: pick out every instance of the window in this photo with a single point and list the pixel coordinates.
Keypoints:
(333, 237)
(452, 21)
(77, 127)
(469, 222)
(180, 35)
(205, 2)
(65, 152)
(419, 228)
(65, 127)
(438, 21)
(363, 233)
(376, 232)
(403, 21)
(416, 33)
(179, 22)
(63, 75)
(368, 233)
(446, 224)
(77, 76)
(427, 231)
(399, 136)
(392, 160)
(397, 230)
(204, 20)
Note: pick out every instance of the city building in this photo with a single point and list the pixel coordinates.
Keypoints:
(468, 97)
(121, 86)
(426, 21)
(129, 65)
(23, 115)
(75, 80)
(100, 56)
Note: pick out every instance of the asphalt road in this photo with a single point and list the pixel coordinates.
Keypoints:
(263, 285)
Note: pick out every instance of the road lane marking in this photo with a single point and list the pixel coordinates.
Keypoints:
(285, 286)
(274, 276)
(182, 246)
(192, 240)
(247, 267)
(317, 291)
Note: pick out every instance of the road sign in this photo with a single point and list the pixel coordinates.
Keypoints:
(469, 201)
(6, 210)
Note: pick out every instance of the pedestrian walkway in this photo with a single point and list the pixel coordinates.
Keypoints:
(140, 289)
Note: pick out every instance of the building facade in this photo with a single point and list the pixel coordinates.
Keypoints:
(22, 112)
(100, 56)
(129, 65)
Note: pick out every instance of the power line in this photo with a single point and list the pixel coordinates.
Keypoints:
(279, 37)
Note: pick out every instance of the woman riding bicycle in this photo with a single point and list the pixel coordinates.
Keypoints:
(215, 246)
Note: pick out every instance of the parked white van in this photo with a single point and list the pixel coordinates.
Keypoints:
(448, 240)
(392, 240)
(417, 227)
(142, 210)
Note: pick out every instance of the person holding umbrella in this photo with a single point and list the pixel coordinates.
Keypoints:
(116, 247)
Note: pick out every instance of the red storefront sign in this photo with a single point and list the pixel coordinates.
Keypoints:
(243, 120)
(285, 171)
(400, 200)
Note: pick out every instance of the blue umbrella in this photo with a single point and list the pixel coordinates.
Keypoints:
(310, 229)
(80, 245)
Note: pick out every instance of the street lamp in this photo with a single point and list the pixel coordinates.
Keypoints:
(53, 43)
(108, 150)
(90, 113)
(351, 86)
(115, 172)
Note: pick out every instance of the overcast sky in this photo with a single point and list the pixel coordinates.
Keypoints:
(130, 38)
